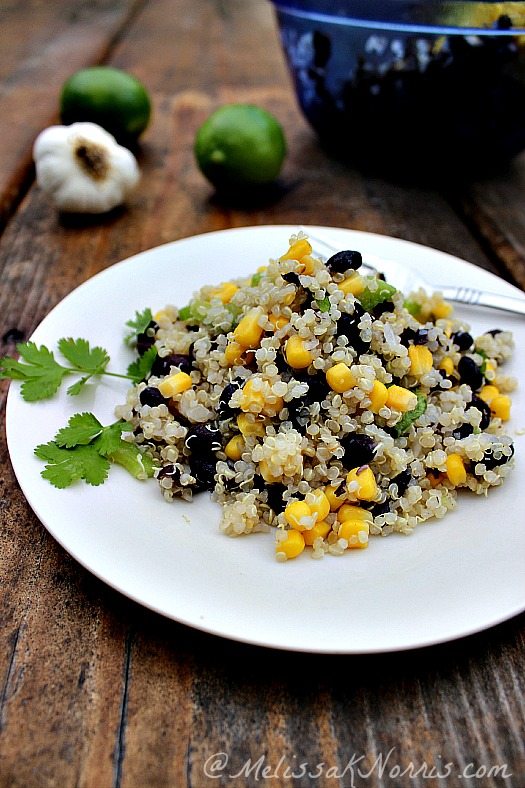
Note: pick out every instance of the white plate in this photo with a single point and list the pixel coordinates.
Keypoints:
(449, 578)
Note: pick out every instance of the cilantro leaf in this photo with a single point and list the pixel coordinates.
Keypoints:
(83, 357)
(404, 424)
(41, 373)
(110, 439)
(81, 429)
(65, 466)
(85, 449)
(77, 387)
(139, 324)
(140, 368)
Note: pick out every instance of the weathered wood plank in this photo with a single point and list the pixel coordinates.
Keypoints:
(41, 45)
(494, 209)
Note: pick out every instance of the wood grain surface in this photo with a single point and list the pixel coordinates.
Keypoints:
(95, 691)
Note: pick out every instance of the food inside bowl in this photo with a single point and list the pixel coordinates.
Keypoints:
(413, 87)
(320, 402)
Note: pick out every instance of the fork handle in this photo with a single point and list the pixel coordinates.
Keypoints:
(469, 295)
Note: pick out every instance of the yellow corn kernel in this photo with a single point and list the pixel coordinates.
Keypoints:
(351, 512)
(335, 499)
(278, 321)
(297, 356)
(234, 448)
(447, 365)
(261, 400)
(500, 407)
(297, 250)
(318, 503)
(175, 384)
(340, 378)
(233, 354)
(292, 546)
(488, 393)
(355, 532)
(319, 530)
(295, 514)
(366, 484)
(225, 292)
(248, 333)
(250, 425)
(401, 399)
(441, 309)
(448, 328)
(456, 470)
(352, 285)
(266, 472)
(261, 269)
(378, 396)
(310, 265)
(420, 360)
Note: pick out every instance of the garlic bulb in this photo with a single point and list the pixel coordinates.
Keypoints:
(83, 168)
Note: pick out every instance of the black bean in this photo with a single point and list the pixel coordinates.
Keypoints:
(407, 336)
(168, 471)
(203, 439)
(421, 336)
(347, 326)
(380, 508)
(144, 340)
(383, 306)
(490, 462)
(463, 340)
(224, 409)
(292, 278)
(275, 497)
(342, 261)
(151, 396)
(358, 450)
(470, 373)
(402, 480)
(486, 413)
(494, 331)
(203, 469)
(161, 366)
(463, 431)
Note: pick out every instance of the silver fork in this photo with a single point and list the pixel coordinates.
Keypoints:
(406, 279)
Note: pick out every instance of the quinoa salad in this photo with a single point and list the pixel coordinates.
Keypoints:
(321, 404)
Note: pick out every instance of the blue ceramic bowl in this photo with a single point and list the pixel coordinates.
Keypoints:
(410, 84)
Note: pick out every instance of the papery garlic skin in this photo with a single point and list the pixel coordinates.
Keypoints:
(83, 168)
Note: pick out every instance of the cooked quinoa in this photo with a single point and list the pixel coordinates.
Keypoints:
(321, 404)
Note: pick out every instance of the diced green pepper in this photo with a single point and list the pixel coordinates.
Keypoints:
(403, 425)
(413, 307)
(324, 304)
(371, 298)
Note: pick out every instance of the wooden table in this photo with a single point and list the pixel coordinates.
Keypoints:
(95, 690)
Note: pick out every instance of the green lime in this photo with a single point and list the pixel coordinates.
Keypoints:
(240, 145)
(115, 100)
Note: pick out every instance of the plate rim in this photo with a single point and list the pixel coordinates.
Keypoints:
(202, 626)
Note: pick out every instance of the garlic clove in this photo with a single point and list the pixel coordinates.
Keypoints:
(83, 168)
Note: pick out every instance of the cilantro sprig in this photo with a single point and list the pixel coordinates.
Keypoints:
(85, 449)
(138, 325)
(42, 375)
